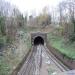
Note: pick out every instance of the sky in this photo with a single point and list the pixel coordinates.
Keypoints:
(33, 6)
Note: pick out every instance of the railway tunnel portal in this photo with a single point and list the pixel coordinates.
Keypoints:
(38, 38)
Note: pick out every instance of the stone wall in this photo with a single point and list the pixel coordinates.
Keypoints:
(42, 35)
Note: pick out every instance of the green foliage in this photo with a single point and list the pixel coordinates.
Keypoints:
(2, 25)
(2, 41)
(58, 42)
(20, 21)
(50, 71)
(59, 30)
(73, 22)
(25, 19)
(72, 37)
(4, 67)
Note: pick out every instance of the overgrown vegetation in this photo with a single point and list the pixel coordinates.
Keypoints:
(58, 42)
(4, 66)
(15, 38)
(13, 46)
(63, 36)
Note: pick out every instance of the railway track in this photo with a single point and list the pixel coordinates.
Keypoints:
(56, 61)
(35, 61)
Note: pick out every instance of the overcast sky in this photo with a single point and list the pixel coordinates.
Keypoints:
(33, 5)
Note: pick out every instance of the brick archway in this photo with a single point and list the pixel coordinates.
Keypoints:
(38, 38)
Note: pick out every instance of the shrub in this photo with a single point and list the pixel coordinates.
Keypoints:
(72, 37)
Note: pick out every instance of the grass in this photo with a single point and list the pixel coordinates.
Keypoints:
(51, 71)
(4, 66)
(57, 42)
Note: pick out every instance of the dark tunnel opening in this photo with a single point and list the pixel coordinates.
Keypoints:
(38, 40)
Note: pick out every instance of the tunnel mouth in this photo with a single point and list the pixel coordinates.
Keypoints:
(38, 41)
